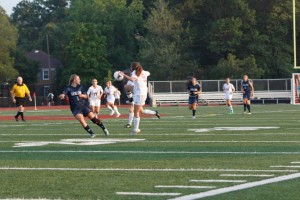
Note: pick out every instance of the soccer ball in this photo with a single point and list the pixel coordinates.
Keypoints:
(118, 76)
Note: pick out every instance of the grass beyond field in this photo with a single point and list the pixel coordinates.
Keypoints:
(216, 156)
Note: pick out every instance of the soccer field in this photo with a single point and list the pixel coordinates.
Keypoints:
(216, 156)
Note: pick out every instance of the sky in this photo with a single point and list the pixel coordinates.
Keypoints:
(8, 5)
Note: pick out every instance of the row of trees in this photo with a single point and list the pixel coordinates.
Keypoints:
(172, 38)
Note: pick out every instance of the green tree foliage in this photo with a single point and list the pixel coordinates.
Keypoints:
(86, 54)
(163, 46)
(8, 37)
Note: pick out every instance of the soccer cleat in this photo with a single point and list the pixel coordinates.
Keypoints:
(194, 117)
(135, 132)
(23, 120)
(244, 112)
(127, 126)
(112, 113)
(106, 132)
(92, 135)
(118, 115)
(16, 118)
(157, 114)
(249, 113)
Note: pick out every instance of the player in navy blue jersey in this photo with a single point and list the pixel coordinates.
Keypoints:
(248, 93)
(79, 104)
(194, 89)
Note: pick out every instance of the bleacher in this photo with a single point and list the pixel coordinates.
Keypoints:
(218, 97)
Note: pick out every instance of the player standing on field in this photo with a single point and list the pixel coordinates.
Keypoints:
(95, 93)
(194, 89)
(129, 90)
(140, 90)
(248, 93)
(229, 89)
(79, 106)
(110, 99)
(18, 93)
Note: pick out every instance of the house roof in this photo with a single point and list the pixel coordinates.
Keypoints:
(42, 58)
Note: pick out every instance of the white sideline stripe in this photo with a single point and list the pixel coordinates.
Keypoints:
(143, 169)
(148, 194)
(237, 187)
(285, 166)
(219, 181)
(162, 152)
(295, 162)
(247, 175)
(185, 186)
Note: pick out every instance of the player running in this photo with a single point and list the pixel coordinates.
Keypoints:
(248, 93)
(229, 89)
(79, 106)
(95, 93)
(18, 93)
(129, 89)
(139, 78)
(110, 99)
(194, 89)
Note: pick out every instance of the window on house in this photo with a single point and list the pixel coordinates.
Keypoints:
(46, 74)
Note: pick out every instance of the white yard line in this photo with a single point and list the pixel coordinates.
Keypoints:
(185, 186)
(247, 175)
(143, 169)
(147, 194)
(237, 187)
(295, 162)
(285, 166)
(158, 152)
(219, 181)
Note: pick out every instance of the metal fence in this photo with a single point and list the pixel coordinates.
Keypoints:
(217, 85)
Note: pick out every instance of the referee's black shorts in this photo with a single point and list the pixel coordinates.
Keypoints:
(20, 101)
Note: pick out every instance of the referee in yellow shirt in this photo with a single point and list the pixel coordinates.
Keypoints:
(18, 94)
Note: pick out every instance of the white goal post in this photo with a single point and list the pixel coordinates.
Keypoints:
(295, 36)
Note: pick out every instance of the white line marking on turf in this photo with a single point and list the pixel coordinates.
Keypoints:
(247, 175)
(144, 170)
(237, 187)
(159, 152)
(85, 142)
(219, 181)
(202, 130)
(285, 166)
(147, 194)
(185, 186)
(295, 162)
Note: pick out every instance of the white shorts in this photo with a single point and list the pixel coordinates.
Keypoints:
(228, 96)
(139, 100)
(111, 99)
(96, 102)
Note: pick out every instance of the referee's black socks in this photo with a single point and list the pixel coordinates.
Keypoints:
(249, 108)
(20, 114)
(194, 113)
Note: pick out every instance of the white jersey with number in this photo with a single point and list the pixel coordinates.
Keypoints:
(110, 93)
(140, 84)
(95, 92)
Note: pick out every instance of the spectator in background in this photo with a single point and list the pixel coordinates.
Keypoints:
(50, 99)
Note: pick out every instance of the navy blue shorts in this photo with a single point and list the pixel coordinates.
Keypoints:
(84, 110)
(247, 95)
(193, 100)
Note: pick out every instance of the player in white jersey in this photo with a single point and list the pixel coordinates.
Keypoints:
(229, 89)
(110, 99)
(95, 93)
(129, 89)
(140, 90)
